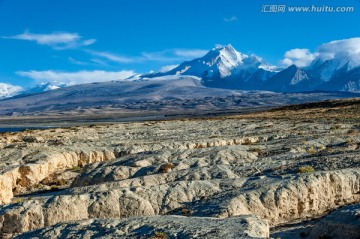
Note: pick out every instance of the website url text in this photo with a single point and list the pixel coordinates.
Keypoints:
(313, 8)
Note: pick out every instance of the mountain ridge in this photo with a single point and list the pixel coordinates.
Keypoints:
(224, 67)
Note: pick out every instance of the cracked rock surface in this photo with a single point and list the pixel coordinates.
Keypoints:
(189, 178)
(157, 227)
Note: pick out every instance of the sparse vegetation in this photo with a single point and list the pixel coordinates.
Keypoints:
(39, 186)
(17, 200)
(54, 182)
(75, 168)
(186, 212)
(306, 169)
(54, 188)
(335, 127)
(352, 132)
(60, 182)
(312, 150)
(165, 168)
(350, 142)
(56, 142)
(160, 235)
(256, 150)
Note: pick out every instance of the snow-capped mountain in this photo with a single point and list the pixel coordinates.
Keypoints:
(330, 75)
(46, 86)
(7, 90)
(219, 61)
(333, 69)
(224, 67)
(326, 69)
(340, 73)
(291, 79)
(344, 80)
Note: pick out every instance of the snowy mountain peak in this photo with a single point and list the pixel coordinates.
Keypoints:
(230, 52)
(224, 49)
(327, 69)
(220, 47)
(224, 67)
(7, 90)
(223, 64)
(45, 86)
(225, 55)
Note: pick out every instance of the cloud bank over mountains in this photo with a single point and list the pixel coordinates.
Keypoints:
(298, 57)
(73, 78)
(346, 48)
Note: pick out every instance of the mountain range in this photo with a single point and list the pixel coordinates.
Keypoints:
(225, 68)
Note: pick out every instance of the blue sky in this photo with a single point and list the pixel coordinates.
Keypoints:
(85, 40)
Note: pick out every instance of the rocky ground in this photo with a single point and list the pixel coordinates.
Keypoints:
(291, 172)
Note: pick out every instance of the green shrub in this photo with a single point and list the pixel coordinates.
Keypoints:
(256, 150)
(334, 127)
(312, 150)
(160, 235)
(75, 168)
(17, 200)
(306, 169)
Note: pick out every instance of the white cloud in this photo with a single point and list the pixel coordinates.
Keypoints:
(73, 78)
(161, 56)
(167, 68)
(169, 55)
(231, 19)
(76, 62)
(349, 48)
(190, 52)
(99, 62)
(56, 40)
(298, 57)
(112, 57)
(88, 42)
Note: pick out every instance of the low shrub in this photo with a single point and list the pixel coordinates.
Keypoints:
(165, 168)
(160, 235)
(306, 169)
